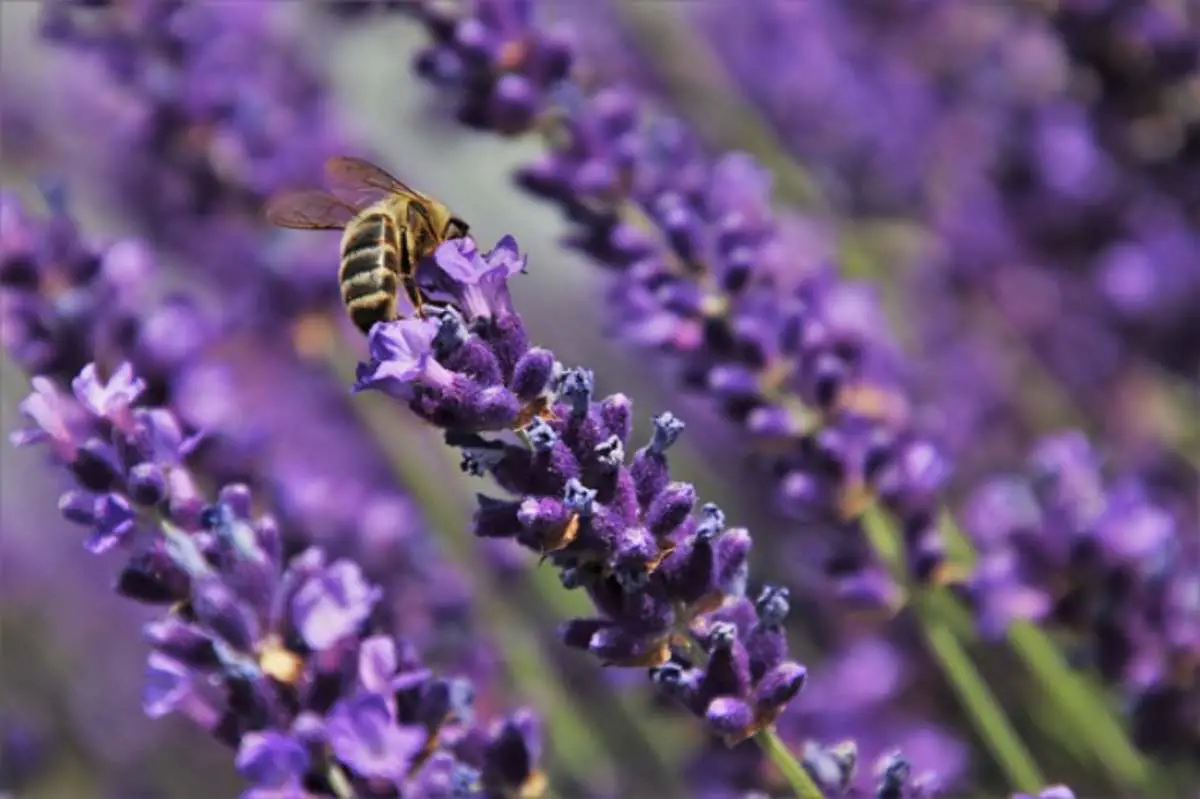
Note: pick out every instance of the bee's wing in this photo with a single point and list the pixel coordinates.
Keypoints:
(309, 210)
(361, 183)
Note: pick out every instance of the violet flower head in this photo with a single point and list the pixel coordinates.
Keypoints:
(217, 108)
(498, 60)
(711, 277)
(281, 659)
(668, 584)
(1069, 547)
(67, 302)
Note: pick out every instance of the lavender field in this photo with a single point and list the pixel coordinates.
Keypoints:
(811, 410)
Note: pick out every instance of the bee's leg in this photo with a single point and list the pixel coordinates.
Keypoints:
(414, 294)
(408, 274)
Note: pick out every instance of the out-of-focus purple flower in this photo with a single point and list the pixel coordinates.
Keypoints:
(26, 749)
(258, 407)
(277, 657)
(1070, 548)
(218, 109)
(500, 62)
(668, 583)
(66, 302)
(860, 695)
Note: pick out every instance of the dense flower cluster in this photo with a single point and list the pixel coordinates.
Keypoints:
(277, 633)
(709, 275)
(668, 579)
(1052, 150)
(1066, 547)
(792, 353)
(502, 62)
(280, 658)
(199, 112)
(67, 302)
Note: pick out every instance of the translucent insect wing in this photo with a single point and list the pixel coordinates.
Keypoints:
(309, 210)
(361, 183)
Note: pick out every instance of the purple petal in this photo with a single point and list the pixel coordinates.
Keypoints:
(364, 735)
(271, 759)
(333, 604)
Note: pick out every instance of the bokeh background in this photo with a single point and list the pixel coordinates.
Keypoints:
(1028, 221)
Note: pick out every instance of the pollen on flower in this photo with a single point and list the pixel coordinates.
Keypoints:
(714, 306)
(565, 537)
(534, 786)
(854, 497)
(539, 409)
(280, 663)
(873, 402)
(512, 54)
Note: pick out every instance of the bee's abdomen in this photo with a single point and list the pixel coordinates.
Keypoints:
(368, 272)
(367, 232)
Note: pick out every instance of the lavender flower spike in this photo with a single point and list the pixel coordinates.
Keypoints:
(667, 577)
(279, 659)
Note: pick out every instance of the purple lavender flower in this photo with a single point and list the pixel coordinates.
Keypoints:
(1101, 558)
(859, 695)
(229, 384)
(668, 585)
(278, 658)
(712, 282)
(218, 110)
(65, 302)
(501, 63)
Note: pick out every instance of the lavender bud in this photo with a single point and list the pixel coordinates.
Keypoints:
(772, 606)
(576, 388)
(670, 508)
(95, 466)
(667, 429)
(721, 636)
(668, 675)
(541, 435)
(610, 452)
(147, 484)
(579, 498)
(78, 507)
(478, 461)
(533, 374)
(712, 522)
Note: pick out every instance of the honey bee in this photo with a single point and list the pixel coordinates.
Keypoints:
(388, 228)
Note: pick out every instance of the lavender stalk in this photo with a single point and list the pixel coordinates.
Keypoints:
(668, 586)
(280, 659)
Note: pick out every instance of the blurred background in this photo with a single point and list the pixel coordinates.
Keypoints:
(1017, 184)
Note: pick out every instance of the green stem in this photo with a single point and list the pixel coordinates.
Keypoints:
(1074, 697)
(981, 704)
(1085, 706)
(797, 777)
(992, 725)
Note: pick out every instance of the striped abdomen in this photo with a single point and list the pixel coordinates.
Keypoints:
(371, 269)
